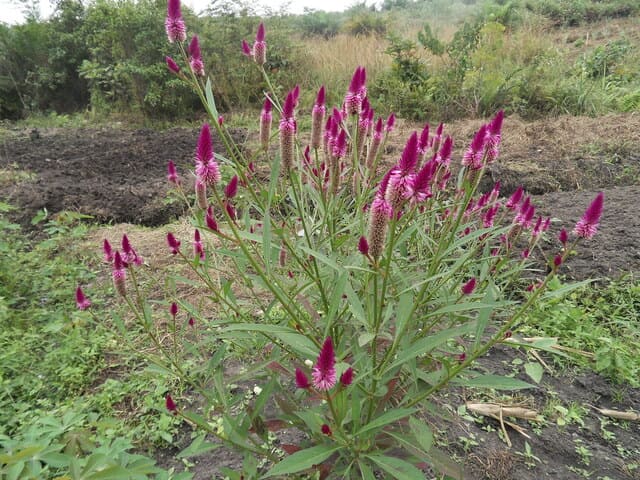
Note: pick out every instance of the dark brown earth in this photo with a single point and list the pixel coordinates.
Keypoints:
(118, 176)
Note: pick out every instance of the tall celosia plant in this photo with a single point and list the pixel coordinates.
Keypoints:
(367, 296)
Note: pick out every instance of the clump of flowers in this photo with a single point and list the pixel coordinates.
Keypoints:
(347, 283)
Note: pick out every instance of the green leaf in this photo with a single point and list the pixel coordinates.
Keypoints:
(403, 312)
(426, 344)
(297, 342)
(484, 314)
(534, 370)
(494, 381)
(385, 419)
(422, 432)
(397, 468)
(303, 460)
(198, 447)
(209, 96)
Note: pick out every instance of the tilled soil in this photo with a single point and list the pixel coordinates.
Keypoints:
(118, 176)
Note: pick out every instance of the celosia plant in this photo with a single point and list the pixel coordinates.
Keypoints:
(378, 281)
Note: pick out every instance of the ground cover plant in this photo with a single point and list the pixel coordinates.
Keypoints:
(375, 289)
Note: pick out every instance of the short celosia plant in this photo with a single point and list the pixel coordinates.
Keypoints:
(362, 285)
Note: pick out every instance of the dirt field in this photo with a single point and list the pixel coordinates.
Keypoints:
(119, 176)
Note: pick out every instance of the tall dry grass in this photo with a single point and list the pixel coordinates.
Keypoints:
(331, 62)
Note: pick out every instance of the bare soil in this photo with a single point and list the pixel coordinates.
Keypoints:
(118, 176)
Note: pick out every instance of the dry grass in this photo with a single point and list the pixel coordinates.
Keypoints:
(331, 62)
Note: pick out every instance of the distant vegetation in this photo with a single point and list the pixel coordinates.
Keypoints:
(426, 59)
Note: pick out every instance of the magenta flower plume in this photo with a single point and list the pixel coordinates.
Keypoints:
(423, 143)
(201, 193)
(172, 174)
(475, 153)
(173, 309)
(356, 92)
(171, 405)
(231, 190)
(119, 275)
(420, 189)
(317, 118)
(391, 122)
(197, 245)
(324, 371)
(287, 131)
(347, 377)
(130, 256)
(587, 226)
(409, 158)
(363, 245)
(211, 220)
(172, 65)
(444, 154)
(266, 119)
(469, 287)
(490, 215)
(494, 137)
(195, 60)
(557, 261)
(380, 214)
(174, 24)
(515, 198)
(246, 49)
(174, 243)
(563, 237)
(108, 251)
(301, 379)
(260, 46)
(82, 302)
(206, 167)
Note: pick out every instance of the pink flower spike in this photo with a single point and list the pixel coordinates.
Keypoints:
(587, 226)
(174, 243)
(347, 377)
(557, 261)
(82, 302)
(363, 245)
(210, 220)
(174, 25)
(514, 199)
(195, 60)
(204, 149)
(320, 98)
(170, 404)
(231, 189)
(423, 144)
(473, 156)
(173, 309)
(172, 65)
(246, 49)
(197, 245)
(260, 34)
(108, 251)
(324, 371)
(391, 121)
(260, 46)
(172, 174)
(301, 379)
(469, 287)
(563, 236)
(409, 158)
(289, 105)
(119, 275)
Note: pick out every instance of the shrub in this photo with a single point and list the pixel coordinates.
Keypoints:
(354, 293)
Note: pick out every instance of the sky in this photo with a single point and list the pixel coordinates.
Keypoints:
(10, 11)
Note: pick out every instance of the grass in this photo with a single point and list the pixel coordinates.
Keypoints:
(69, 391)
(603, 323)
